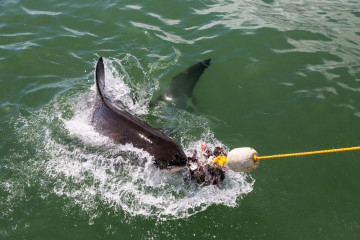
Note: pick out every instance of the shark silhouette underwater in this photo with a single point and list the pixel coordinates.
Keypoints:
(115, 122)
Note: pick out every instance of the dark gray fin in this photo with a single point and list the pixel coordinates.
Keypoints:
(182, 85)
(100, 78)
(100, 86)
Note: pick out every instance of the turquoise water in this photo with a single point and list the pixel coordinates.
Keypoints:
(284, 77)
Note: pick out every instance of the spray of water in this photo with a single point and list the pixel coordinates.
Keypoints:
(89, 170)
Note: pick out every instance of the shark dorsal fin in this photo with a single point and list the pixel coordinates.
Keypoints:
(181, 87)
(183, 83)
(100, 87)
(100, 77)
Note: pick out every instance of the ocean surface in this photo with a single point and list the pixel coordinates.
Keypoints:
(284, 78)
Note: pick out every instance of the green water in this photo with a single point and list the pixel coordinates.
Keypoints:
(284, 77)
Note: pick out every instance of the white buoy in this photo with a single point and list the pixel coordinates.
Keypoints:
(242, 159)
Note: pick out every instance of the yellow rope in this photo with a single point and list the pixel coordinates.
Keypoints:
(256, 158)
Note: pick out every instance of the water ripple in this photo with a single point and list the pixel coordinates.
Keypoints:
(347, 87)
(37, 12)
(19, 46)
(79, 33)
(19, 34)
(166, 21)
(167, 36)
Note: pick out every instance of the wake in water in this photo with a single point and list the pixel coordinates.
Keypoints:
(90, 170)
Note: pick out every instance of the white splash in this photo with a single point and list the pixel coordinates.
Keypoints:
(91, 171)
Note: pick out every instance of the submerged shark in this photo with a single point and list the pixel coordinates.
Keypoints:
(180, 90)
(115, 122)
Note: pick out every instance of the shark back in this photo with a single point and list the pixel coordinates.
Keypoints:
(122, 127)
